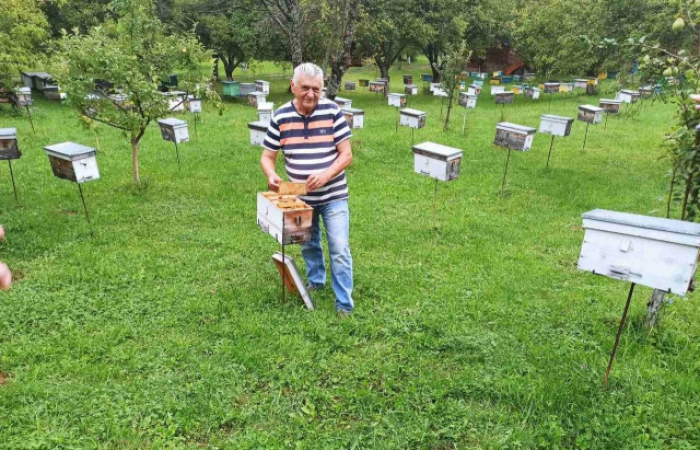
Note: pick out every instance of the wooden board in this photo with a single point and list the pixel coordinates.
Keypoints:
(287, 188)
(292, 279)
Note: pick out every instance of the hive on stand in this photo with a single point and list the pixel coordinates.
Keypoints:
(398, 100)
(256, 98)
(412, 118)
(551, 88)
(590, 114)
(467, 100)
(9, 149)
(265, 112)
(497, 90)
(262, 86)
(73, 162)
(258, 130)
(343, 102)
(350, 86)
(610, 106)
(556, 125)
(411, 89)
(437, 161)
(194, 104)
(247, 88)
(284, 217)
(503, 98)
(532, 93)
(627, 96)
(231, 88)
(354, 117)
(174, 130)
(514, 137)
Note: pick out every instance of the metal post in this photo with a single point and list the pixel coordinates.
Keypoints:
(196, 116)
(177, 152)
(550, 102)
(412, 130)
(585, 137)
(12, 175)
(398, 114)
(464, 122)
(505, 172)
(82, 199)
(619, 332)
(550, 151)
(503, 111)
(435, 205)
(606, 121)
(442, 102)
(31, 121)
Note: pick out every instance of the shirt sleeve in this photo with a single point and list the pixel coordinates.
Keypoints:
(341, 130)
(272, 138)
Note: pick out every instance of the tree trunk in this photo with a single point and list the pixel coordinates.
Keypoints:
(295, 38)
(384, 71)
(135, 161)
(340, 64)
(653, 308)
(449, 110)
(437, 77)
(215, 69)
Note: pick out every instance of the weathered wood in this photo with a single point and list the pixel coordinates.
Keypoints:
(504, 98)
(289, 188)
(349, 85)
(285, 217)
(62, 168)
(654, 308)
(9, 149)
(590, 114)
(516, 138)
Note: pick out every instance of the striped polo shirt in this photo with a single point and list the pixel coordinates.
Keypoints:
(309, 146)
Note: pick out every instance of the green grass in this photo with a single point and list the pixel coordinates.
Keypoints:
(166, 330)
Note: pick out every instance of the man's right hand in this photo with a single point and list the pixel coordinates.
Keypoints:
(273, 182)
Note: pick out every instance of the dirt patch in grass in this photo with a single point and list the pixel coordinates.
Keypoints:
(4, 378)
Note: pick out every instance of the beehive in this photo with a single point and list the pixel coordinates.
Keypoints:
(247, 88)
(410, 89)
(350, 86)
(398, 100)
(515, 137)
(505, 98)
(467, 100)
(532, 93)
(8, 144)
(256, 98)
(258, 131)
(174, 130)
(590, 114)
(231, 88)
(437, 161)
(610, 106)
(412, 118)
(73, 162)
(354, 117)
(284, 217)
(556, 125)
(551, 88)
(265, 111)
(262, 86)
(343, 102)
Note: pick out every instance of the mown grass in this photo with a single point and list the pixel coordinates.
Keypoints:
(165, 329)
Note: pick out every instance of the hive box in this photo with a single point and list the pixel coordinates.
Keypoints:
(580, 83)
(517, 78)
(23, 96)
(398, 100)
(467, 100)
(284, 217)
(515, 137)
(650, 251)
(377, 87)
(628, 96)
(474, 89)
(265, 112)
(646, 92)
(231, 88)
(354, 117)
(411, 89)
(36, 80)
(426, 77)
(495, 81)
(408, 79)
(506, 79)
(343, 102)
(412, 118)
(439, 92)
(551, 88)
(363, 83)
(262, 86)
(437, 161)
(258, 130)
(462, 85)
(532, 92)
(504, 98)
(529, 76)
(174, 130)
(8, 144)
(175, 100)
(194, 104)
(349, 85)
(556, 125)
(610, 106)
(256, 98)
(517, 89)
(435, 85)
(590, 114)
(247, 88)
(52, 92)
(73, 162)
(479, 83)
(566, 87)
(497, 89)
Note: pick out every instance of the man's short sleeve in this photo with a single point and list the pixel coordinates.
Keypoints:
(341, 130)
(272, 138)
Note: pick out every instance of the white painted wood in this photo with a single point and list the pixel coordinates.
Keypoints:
(247, 88)
(296, 277)
(594, 110)
(194, 104)
(435, 85)
(411, 89)
(82, 159)
(270, 219)
(86, 169)
(437, 161)
(556, 125)
(265, 112)
(412, 118)
(262, 86)
(396, 99)
(354, 117)
(174, 130)
(626, 96)
(580, 83)
(258, 131)
(343, 102)
(654, 252)
(497, 90)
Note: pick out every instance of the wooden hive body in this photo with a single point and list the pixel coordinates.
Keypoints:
(412, 118)
(410, 89)
(398, 100)
(262, 86)
(73, 162)
(174, 130)
(284, 217)
(590, 114)
(505, 98)
(610, 106)
(513, 136)
(354, 117)
(258, 131)
(556, 125)
(8, 144)
(437, 161)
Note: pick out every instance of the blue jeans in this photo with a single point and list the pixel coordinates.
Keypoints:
(336, 219)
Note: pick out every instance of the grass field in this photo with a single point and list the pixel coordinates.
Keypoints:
(165, 329)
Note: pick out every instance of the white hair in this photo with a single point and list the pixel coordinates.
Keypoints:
(307, 69)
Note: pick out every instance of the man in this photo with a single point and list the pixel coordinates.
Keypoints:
(315, 139)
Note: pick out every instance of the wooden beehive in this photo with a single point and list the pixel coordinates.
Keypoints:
(580, 83)
(650, 251)
(479, 83)
(505, 79)
(551, 88)
(530, 76)
(258, 131)
(408, 79)
(256, 98)
(505, 98)
(8, 144)
(497, 90)
(174, 130)
(354, 117)
(247, 88)
(231, 88)
(439, 92)
(437, 161)
(467, 100)
(377, 87)
(52, 92)
(349, 85)
(515, 137)
(363, 83)
(343, 102)
(410, 89)
(412, 118)
(627, 96)
(610, 106)
(176, 101)
(646, 91)
(532, 93)
(474, 89)
(517, 89)
(73, 162)
(265, 111)
(194, 104)
(556, 125)
(590, 114)
(262, 86)
(284, 217)
(398, 100)
(23, 96)
(434, 85)
(495, 81)
(428, 78)
(566, 88)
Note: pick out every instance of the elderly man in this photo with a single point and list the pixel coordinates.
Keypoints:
(315, 139)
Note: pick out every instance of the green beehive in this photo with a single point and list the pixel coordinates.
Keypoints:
(231, 88)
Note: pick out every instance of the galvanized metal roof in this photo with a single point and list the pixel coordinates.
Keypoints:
(647, 222)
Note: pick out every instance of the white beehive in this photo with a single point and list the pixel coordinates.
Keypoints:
(435, 85)
(350, 86)
(503, 98)
(175, 100)
(551, 88)
(556, 125)
(533, 93)
(354, 117)
(412, 118)
(474, 89)
(194, 104)
(626, 96)
(247, 88)
(515, 137)
(467, 100)
(258, 130)
(265, 111)
(580, 83)
(8, 144)
(23, 96)
(497, 90)
(398, 100)
(284, 217)
(262, 86)
(650, 251)
(174, 130)
(439, 92)
(256, 98)
(610, 106)
(343, 102)
(437, 161)
(73, 162)
(411, 89)
(590, 114)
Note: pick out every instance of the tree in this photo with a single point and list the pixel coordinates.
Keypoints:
(288, 15)
(23, 34)
(134, 54)
(455, 62)
(350, 12)
(446, 24)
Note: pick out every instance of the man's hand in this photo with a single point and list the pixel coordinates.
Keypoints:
(317, 180)
(5, 277)
(696, 99)
(273, 182)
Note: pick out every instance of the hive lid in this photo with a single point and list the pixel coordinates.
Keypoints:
(69, 150)
(411, 86)
(554, 118)
(173, 93)
(412, 112)
(256, 93)
(172, 122)
(625, 91)
(590, 108)
(248, 84)
(639, 221)
(353, 111)
(8, 133)
(437, 151)
(24, 90)
(262, 81)
(342, 100)
(229, 82)
(552, 83)
(610, 101)
(505, 93)
(266, 106)
(258, 125)
(51, 87)
(43, 75)
(514, 127)
(584, 80)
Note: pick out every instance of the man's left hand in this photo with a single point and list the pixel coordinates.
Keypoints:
(317, 180)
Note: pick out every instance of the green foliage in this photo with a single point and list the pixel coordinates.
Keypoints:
(454, 64)
(23, 38)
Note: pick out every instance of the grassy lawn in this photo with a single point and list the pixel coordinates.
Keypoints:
(165, 329)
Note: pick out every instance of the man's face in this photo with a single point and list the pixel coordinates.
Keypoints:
(307, 91)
